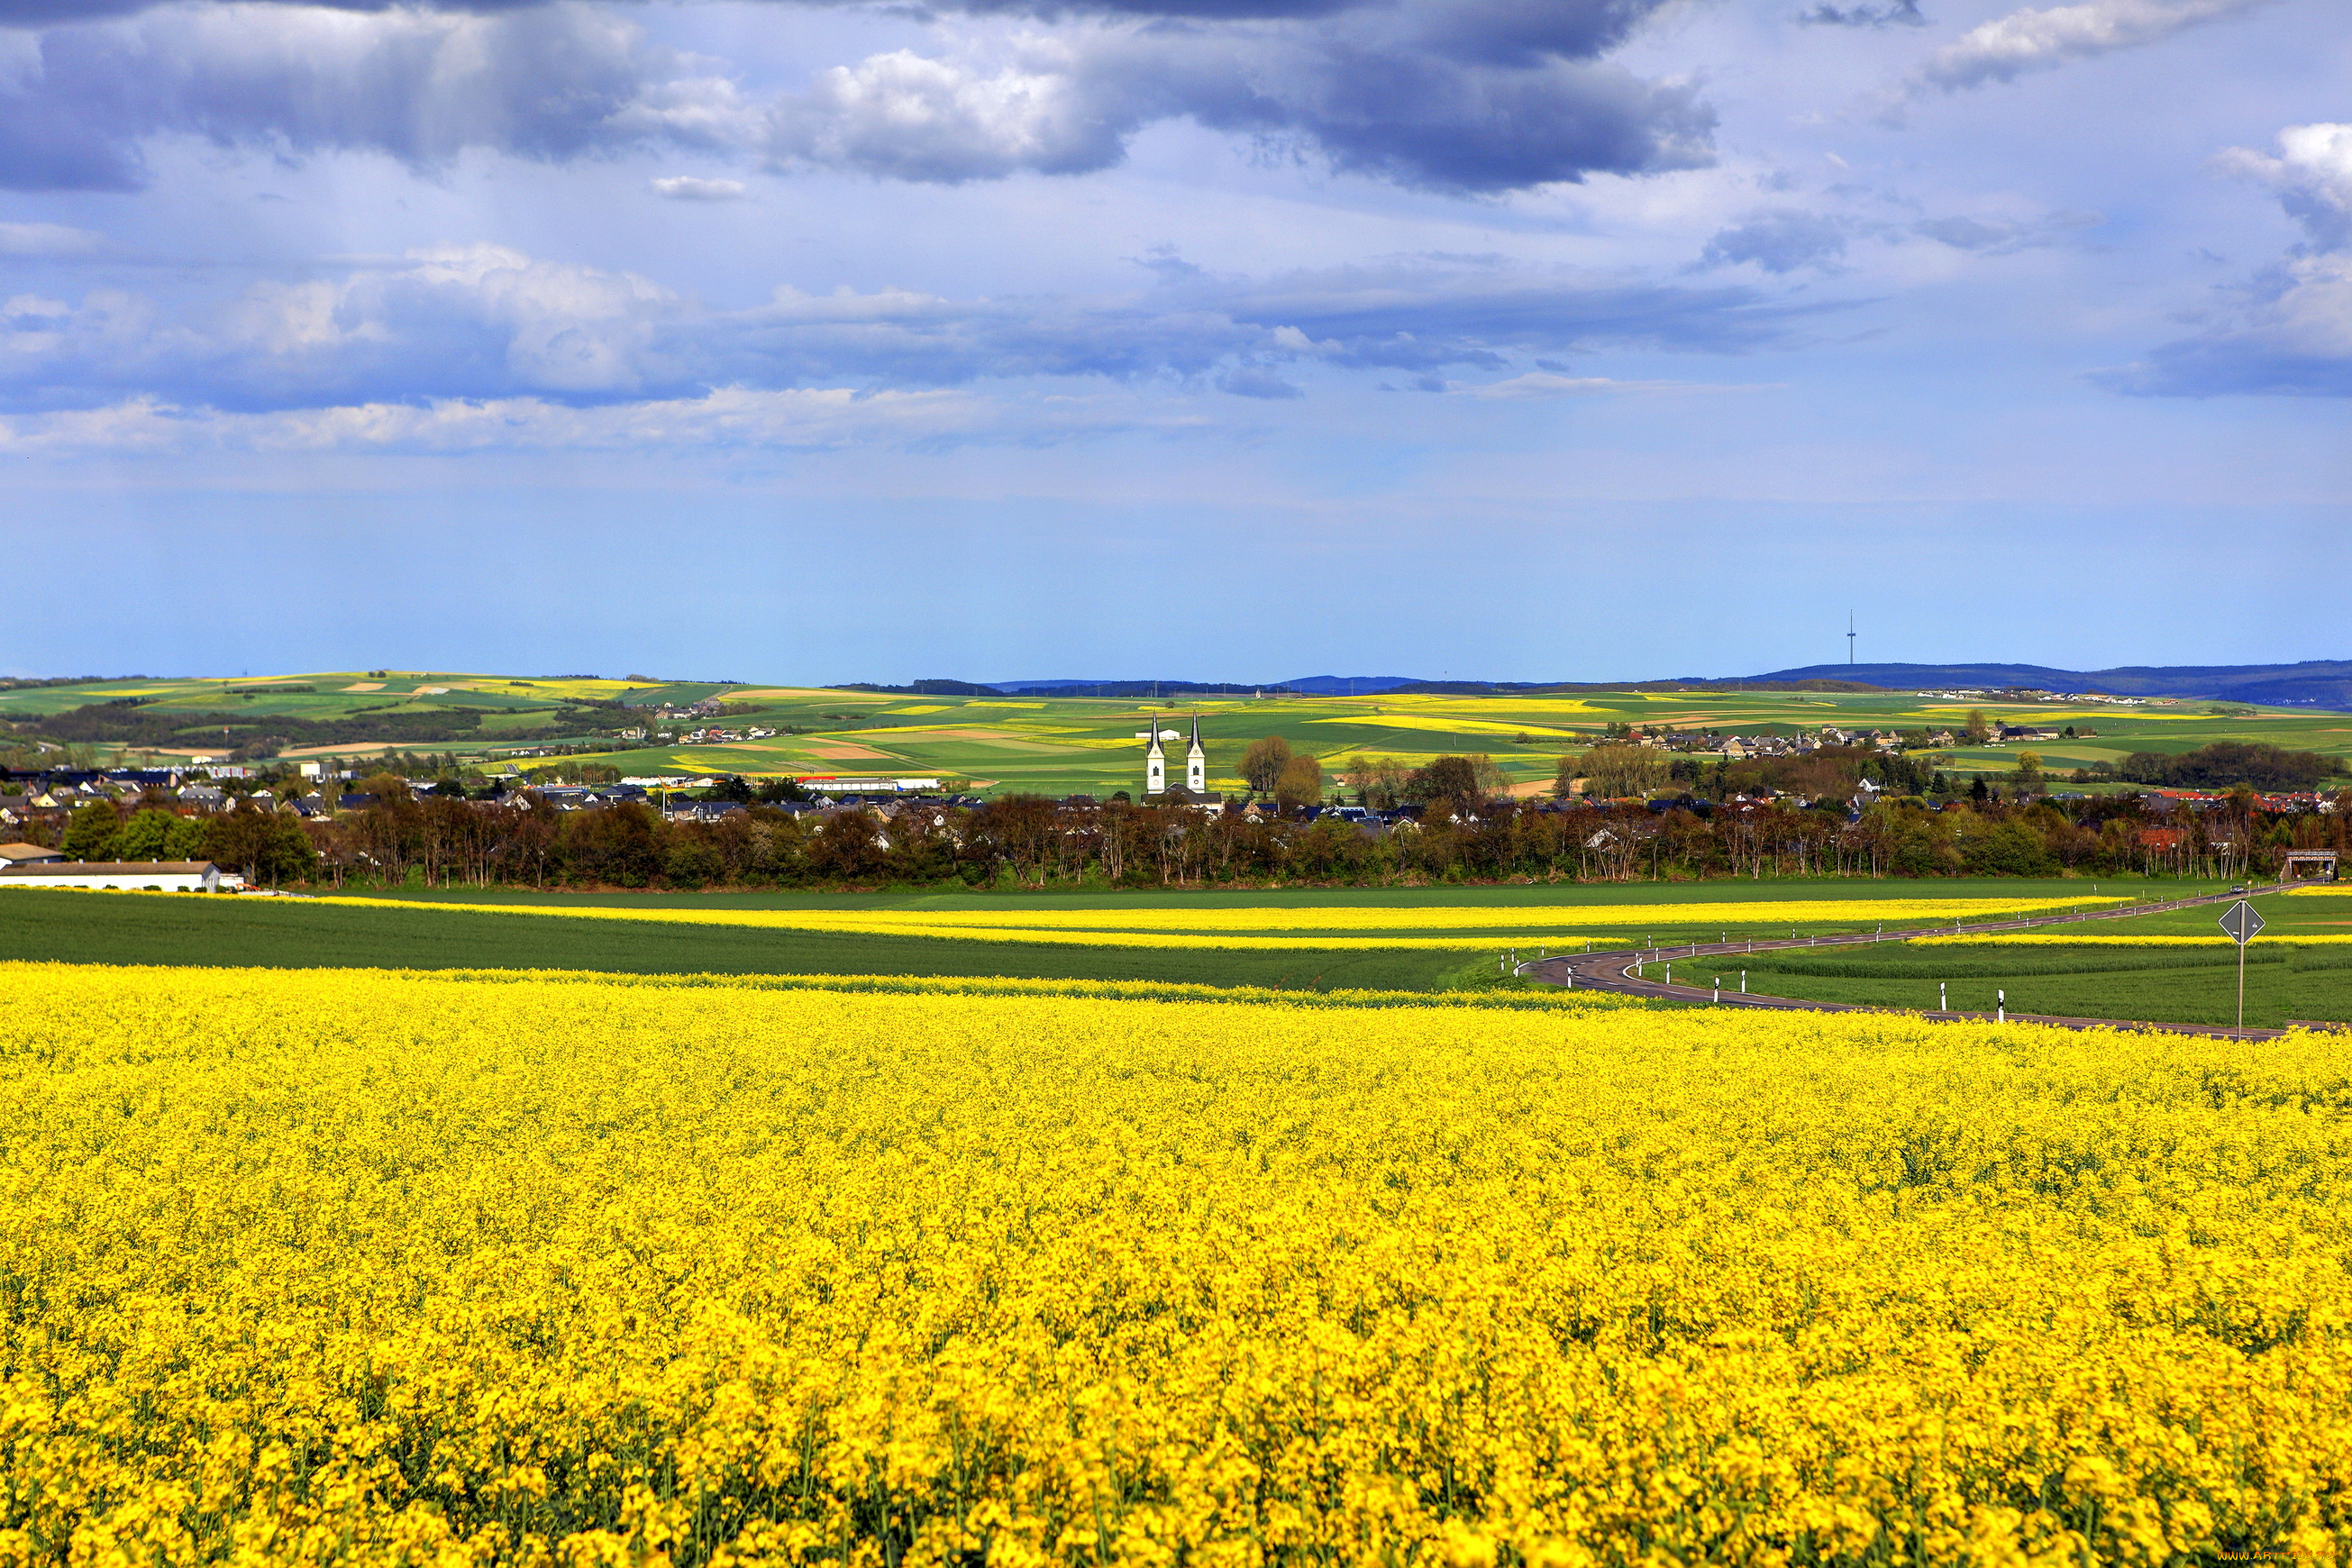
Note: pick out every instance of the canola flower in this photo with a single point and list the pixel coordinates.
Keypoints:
(1474, 929)
(381, 1267)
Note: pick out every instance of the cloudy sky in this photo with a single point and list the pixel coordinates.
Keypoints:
(1216, 339)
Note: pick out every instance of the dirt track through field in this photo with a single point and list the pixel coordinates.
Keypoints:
(1616, 971)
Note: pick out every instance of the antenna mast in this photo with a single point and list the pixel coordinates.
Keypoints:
(1849, 639)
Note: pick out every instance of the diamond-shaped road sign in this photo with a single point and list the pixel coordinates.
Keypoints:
(2242, 922)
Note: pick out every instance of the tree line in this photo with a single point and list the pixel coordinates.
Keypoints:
(1031, 841)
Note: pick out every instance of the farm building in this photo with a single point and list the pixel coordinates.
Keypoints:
(167, 876)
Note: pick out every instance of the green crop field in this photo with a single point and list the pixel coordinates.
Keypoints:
(2085, 979)
(2193, 986)
(288, 934)
(1070, 745)
(2092, 980)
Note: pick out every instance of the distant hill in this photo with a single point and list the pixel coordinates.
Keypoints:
(2316, 683)
(1126, 689)
(2319, 683)
(1350, 684)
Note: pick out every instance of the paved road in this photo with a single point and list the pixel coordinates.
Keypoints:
(1613, 971)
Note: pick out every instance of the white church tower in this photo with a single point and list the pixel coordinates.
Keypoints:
(1196, 763)
(1155, 763)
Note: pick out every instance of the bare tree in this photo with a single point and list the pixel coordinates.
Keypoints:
(1614, 771)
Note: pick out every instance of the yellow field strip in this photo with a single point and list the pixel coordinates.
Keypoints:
(1348, 928)
(852, 923)
(35, 971)
(1532, 918)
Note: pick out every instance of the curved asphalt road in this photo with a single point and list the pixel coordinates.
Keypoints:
(1613, 971)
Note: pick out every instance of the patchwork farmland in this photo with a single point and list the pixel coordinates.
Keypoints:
(1048, 745)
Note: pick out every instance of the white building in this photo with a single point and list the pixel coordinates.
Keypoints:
(1155, 760)
(150, 876)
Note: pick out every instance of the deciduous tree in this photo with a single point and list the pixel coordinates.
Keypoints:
(91, 831)
(1300, 781)
(1263, 763)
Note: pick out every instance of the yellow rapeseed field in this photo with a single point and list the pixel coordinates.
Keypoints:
(1338, 926)
(374, 1268)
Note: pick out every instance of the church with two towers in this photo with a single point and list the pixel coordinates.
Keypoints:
(1155, 763)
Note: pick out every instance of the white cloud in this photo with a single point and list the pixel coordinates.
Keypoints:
(2290, 329)
(725, 418)
(903, 115)
(1459, 98)
(1539, 385)
(2030, 39)
(484, 322)
(2313, 177)
(47, 239)
(687, 188)
(2289, 332)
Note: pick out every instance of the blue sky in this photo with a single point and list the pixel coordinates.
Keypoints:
(1218, 339)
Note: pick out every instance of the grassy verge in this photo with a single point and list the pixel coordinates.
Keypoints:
(292, 934)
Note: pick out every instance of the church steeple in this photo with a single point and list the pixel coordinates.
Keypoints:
(1155, 763)
(1196, 763)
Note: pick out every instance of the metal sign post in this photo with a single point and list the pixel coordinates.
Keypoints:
(2243, 922)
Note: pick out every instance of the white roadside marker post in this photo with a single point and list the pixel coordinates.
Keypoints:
(2000, 1007)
